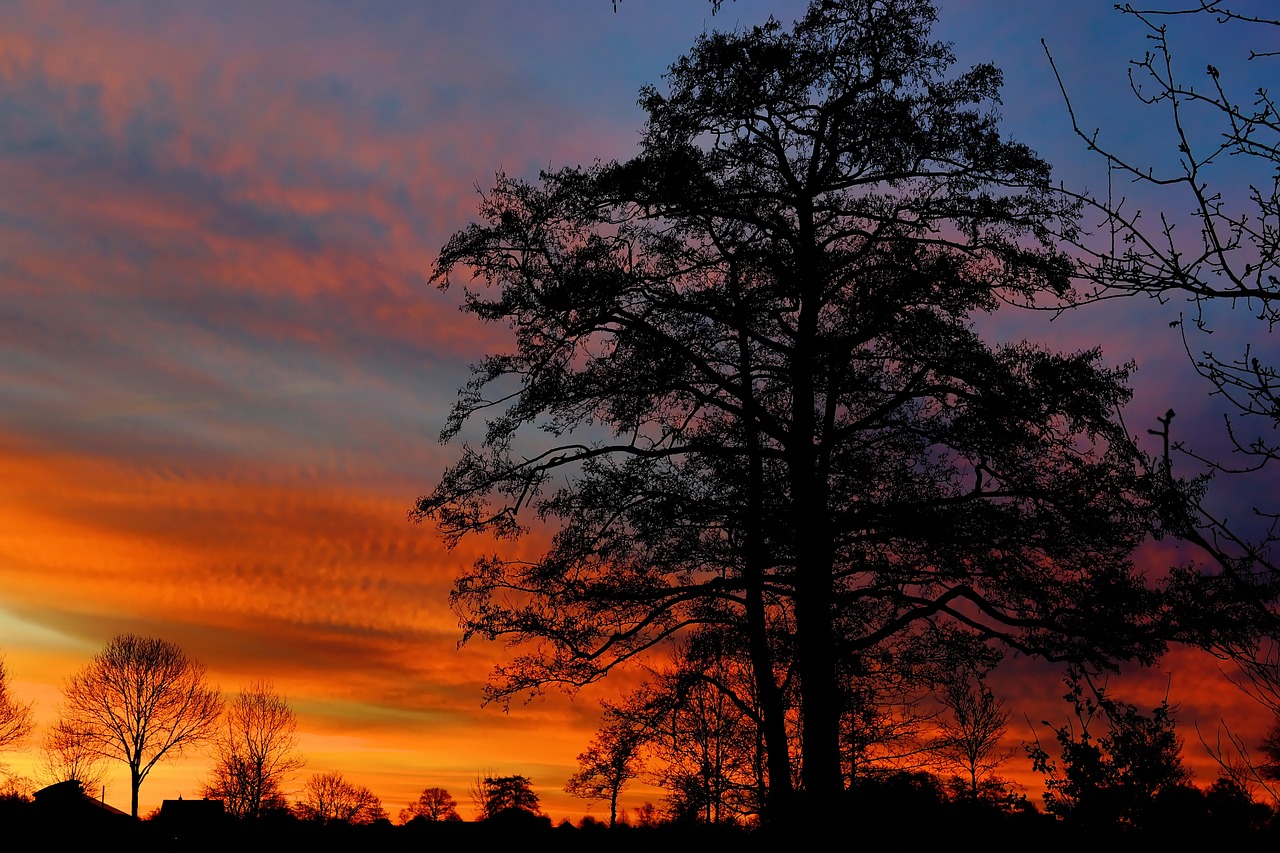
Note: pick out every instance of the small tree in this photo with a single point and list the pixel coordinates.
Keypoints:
(1116, 778)
(699, 724)
(255, 752)
(16, 720)
(971, 731)
(329, 798)
(433, 804)
(610, 762)
(140, 700)
(494, 795)
(647, 816)
(69, 755)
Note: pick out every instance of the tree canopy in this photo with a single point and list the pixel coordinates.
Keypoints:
(329, 798)
(141, 700)
(766, 410)
(255, 752)
(500, 795)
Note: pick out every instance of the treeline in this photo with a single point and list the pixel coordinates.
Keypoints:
(142, 700)
(938, 739)
(928, 751)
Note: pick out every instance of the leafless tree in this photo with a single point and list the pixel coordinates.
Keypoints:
(971, 731)
(705, 743)
(433, 804)
(1237, 764)
(16, 719)
(140, 700)
(68, 754)
(329, 798)
(884, 728)
(255, 752)
(1221, 166)
(1229, 250)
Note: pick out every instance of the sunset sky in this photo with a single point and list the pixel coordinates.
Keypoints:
(222, 371)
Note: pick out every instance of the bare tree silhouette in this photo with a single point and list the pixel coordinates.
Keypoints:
(16, 718)
(255, 752)
(972, 730)
(141, 700)
(433, 804)
(68, 753)
(330, 798)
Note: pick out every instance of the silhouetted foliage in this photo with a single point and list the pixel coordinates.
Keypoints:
(330, 798)
(609, 763)
(1112, 780)
(140, 700)
(769, 414)
(496, 795)
(1270, 749)
(1230, 804)
(255, 753)
(433, 804)
(646, 815)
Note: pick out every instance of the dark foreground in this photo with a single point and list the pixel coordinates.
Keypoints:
(954, 826)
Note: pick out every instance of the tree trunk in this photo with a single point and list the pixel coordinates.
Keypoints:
(814, 585)
(135, 782)
(779, 803)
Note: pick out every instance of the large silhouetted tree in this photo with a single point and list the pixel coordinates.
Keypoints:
(140, 700)
(765, 410)
(255, 752)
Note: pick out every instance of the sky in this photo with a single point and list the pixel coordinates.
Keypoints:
(223, 371)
